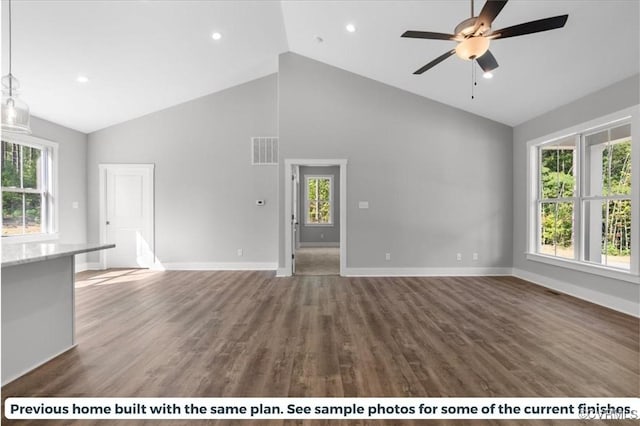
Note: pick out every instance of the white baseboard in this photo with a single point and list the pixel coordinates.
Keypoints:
(320, 244)
(426, 272)
(283, 272)
(615, 303)
(218, 266)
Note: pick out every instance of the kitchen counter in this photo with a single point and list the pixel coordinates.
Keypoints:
(38, 303)
(17, 254)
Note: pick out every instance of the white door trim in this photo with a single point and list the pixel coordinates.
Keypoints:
(288, 168)
(102, 194)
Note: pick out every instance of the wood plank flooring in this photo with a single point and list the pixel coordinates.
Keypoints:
(171, 334)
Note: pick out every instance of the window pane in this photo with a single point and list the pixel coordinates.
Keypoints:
(33, 213)
(10, 165)
(556, 233)
(608, 232)
(311, 189)
(557, 175)
(30, 167)
(618, 234)
(313, 212)
(616, 168)
(608, 161)
(324, 187)
(12, 213)
(325, 210)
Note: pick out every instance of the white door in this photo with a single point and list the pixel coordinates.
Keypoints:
(294, 216)
(127, 215)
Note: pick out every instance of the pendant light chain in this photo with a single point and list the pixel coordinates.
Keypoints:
(10, 74)
(15, 112)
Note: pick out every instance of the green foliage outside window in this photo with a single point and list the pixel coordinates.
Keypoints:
(319, 200)
(558, 181)
(21, 209)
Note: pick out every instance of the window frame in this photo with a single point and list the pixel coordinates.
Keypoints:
(49, 188)
(534, 196)
(307, 201)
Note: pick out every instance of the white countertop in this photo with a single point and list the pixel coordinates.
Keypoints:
(18, 254)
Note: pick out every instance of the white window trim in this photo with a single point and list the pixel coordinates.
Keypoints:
(36, 142)
(631, 115)
(306, 200)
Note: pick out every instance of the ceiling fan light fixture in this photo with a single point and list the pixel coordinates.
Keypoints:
(472, 48)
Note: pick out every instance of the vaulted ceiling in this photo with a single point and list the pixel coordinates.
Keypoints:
(143, 56)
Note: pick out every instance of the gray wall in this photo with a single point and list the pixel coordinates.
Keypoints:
(72, 179)
(621, 95)
(326, 233)
(438, 180)
(205, 185)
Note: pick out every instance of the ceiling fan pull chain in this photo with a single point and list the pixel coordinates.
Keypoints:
(472, 81)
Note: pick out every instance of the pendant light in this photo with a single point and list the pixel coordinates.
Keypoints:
(15, 113)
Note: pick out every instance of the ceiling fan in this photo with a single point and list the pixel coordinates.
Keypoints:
(475, 34)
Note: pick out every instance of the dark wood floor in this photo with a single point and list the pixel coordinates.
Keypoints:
(172, 334)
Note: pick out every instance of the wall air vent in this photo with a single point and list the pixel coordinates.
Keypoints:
(264, 151)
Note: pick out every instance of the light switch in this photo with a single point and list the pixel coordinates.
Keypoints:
(75, 205)
(363, 204)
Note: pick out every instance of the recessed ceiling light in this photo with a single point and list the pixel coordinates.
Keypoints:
(82, 79)
(216, 36)
(488, 75)
(351, 28)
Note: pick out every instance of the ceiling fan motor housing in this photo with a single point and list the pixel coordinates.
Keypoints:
(468, 26)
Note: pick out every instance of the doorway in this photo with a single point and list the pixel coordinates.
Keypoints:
(315, 217)
(126, 215)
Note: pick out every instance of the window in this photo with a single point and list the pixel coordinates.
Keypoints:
(582, 197)
(27, 186)
(319, 200)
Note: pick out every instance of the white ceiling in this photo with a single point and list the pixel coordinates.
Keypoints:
(143, 56)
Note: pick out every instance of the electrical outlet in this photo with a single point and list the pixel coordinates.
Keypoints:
(387, 256)
(322, 236)
(475, 256)
(239, 252)
(459, 256)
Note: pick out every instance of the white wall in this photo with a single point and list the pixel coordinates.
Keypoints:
(615, 293)
(205, 185)
(438, 180)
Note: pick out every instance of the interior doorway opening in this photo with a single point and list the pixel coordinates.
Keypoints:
(315, 217)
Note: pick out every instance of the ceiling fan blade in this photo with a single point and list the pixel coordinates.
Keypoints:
(487, 62)
(531, 27)
(435, 62)
(489, 12)
(428, 35)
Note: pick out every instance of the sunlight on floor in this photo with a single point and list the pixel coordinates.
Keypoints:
(113, 276)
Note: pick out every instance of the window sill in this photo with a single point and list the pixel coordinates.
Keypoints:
(34, 238)
(319, 225)
(585, 267)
